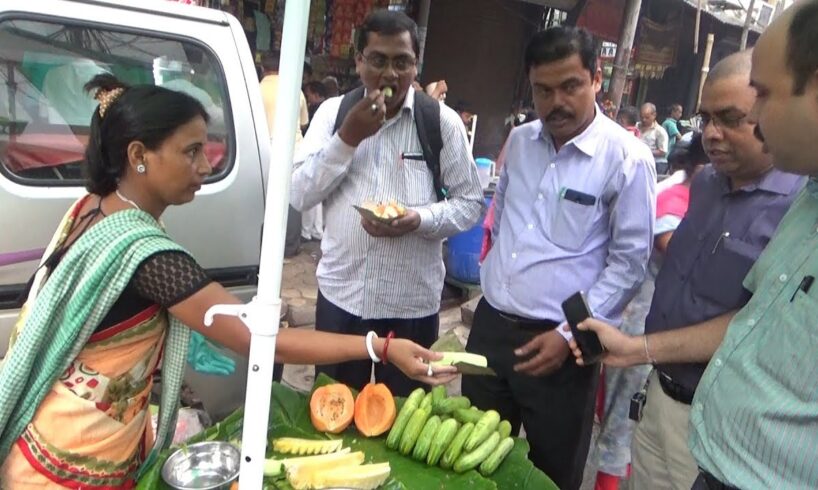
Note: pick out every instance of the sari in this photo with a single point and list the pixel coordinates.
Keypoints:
(74, 400)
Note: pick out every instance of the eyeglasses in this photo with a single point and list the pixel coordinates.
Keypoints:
(400, 64)
(724, 120)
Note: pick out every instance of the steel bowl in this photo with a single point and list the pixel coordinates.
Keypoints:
(207, 465)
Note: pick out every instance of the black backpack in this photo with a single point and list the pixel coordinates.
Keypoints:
(427, 120)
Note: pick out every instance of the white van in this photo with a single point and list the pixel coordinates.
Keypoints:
(48, 50)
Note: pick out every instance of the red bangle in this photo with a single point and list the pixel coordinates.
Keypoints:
(389, 336)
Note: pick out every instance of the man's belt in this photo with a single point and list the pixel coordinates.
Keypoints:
(712, 483)
(674, 390)
(528, 323)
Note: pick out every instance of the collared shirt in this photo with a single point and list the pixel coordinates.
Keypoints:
(672, 129)
(720, 238)
(385, 277)
(754, 420)
(655, 137)
(549, 243)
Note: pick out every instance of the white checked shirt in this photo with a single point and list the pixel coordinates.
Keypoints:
(384, 277)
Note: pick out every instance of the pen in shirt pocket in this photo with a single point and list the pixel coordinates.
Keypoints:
(806, 283)
(411, 156)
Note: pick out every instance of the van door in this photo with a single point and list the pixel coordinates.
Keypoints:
(48, 50)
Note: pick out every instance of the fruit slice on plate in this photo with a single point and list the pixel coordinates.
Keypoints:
(275, 467)
(307, 474)
(375, 410)
(292, 445)
(364, 477)
(331, 408)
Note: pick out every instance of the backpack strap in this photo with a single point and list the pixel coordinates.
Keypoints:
(347, 102)
(427, 120)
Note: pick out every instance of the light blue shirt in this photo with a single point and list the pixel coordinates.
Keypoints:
(547, 246)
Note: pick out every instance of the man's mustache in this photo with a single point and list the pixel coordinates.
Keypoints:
(559, 113)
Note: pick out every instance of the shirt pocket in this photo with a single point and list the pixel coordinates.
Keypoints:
(418, 185)
(721, 276)
(571, 223)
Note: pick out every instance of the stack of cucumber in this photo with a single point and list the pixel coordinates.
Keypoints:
(449, 432)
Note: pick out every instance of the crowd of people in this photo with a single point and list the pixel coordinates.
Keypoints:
(700, 285)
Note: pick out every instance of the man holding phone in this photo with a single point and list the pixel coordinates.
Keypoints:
(573, 211)
(753, 415)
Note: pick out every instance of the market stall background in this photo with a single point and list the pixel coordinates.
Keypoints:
(330, 33)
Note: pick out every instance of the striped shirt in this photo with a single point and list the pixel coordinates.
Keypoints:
(382, 277)
(754, 420)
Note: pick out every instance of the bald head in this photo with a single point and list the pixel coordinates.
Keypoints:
(785, 75)
(735, 65)
(648, 107)
(802, 39)
(647, 115)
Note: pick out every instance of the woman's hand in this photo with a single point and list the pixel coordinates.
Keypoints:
(413, 361)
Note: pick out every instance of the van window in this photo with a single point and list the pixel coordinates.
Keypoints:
(45, 113)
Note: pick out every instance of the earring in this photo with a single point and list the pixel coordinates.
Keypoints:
(141, 168)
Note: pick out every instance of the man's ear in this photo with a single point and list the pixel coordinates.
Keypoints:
(596, 80)
(359, 63)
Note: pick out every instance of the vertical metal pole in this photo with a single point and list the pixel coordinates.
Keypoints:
(698, 27)
(261, 315)
(746, 30)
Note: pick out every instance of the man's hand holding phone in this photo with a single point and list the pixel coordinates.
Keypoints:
(586, 342)
(622, 350)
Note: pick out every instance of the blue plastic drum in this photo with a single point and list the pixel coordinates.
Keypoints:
(462, 260)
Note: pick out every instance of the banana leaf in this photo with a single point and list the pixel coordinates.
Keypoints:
(290, 417)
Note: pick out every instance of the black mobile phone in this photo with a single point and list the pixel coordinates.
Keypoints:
(579, 197)
(576, 310)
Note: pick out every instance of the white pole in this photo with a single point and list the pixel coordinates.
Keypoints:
(261, 315)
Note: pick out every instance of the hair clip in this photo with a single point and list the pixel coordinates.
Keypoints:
(106, 98)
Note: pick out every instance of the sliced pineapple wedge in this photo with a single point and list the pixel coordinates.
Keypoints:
(275, 467)
(305, 475)
(360, 477)
(293, 445)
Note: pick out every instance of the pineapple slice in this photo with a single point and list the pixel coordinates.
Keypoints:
(361, 477)
(274, 467)
(292, 445)
(304, 476)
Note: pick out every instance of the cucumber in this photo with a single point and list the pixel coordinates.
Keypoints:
(395, 434)
(452, 453)
(504, 428)
(449, 405)
(482, 430)
(412, 431)
(424, 441)
(490, 464)
(426, 404)
(441, 440)
(438, 395)
(464, 415)
(415, 397)
(472, 459)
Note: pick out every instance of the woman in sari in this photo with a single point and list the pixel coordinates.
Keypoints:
(116, 299)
